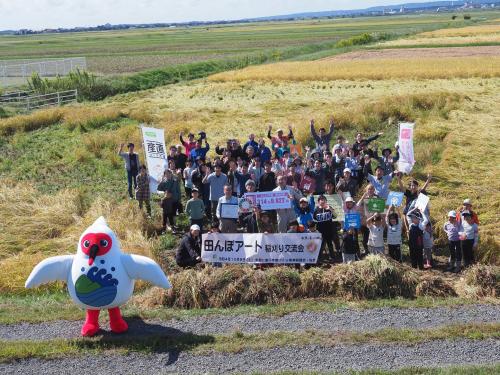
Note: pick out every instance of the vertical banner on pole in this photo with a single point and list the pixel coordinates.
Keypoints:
(156, 158)
(406, 158)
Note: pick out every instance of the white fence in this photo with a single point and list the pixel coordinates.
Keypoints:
(47, 68)
(27, 101)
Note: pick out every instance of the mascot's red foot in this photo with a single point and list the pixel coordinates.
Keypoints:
(116, 322)
(91, 325)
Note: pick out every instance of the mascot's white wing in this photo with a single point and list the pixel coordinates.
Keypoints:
(139, 267)
(50, 269)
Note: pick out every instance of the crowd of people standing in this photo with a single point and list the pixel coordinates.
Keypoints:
(358, 172)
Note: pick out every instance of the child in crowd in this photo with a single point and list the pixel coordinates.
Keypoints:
(265, 223)
(393, 223)
(418, 222)
(293, 227)
(470, 238)
(169, 206)
(376, 237)
(428, 245)
(142, 193)
(195, 209)
(350, 246)
(452, 228)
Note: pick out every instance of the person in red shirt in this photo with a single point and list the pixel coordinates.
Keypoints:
(191, 144)
(467, 207)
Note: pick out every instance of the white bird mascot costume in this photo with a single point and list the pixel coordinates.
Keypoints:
(99, 276)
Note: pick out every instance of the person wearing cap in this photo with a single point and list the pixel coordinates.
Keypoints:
(216, 180)
(469, 238)
(227, 225)
(132, 164)
(189, 251)
(353, 161)
(467, 207)
(323, 216)
(189, 145)
(195, 209)
(285, 215)
(452, 229)
(386, 161)
(265, 223)
(304, 209)
(347, 183)
(417, 223)
(323, 138)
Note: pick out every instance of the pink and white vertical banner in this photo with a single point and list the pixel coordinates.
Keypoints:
(406, 157)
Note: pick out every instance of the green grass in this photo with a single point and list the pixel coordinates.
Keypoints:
(236, 342)
(58, 306)
(453, 370)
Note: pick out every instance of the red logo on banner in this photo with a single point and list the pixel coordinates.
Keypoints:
(405, 133)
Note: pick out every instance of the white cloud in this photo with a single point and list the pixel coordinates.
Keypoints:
(40, 14)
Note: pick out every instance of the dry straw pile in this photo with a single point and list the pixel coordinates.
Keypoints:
(374, 277)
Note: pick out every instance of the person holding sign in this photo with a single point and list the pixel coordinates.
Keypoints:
(227, 211)
(285, 215)
(413, 191)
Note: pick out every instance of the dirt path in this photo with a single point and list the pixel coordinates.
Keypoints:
(347, 320)
(398, 53)
(342, 358)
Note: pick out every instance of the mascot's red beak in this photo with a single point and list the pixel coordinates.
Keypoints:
(93, 253)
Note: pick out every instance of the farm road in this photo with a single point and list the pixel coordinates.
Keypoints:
(313, 358)
(345, 319)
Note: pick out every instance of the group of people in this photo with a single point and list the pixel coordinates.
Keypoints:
(277, 164)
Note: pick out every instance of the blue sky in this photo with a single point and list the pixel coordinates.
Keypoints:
(39, 14)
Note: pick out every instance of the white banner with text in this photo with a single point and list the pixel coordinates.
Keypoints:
(156, 158)
(282, 248)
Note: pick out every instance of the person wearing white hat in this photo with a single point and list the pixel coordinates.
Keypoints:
(347, 183)
(189, 251)
(467, 207)
(452, 228)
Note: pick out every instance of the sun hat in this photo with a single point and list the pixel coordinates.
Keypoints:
(452, 213)
(195, 227)
(347, 170)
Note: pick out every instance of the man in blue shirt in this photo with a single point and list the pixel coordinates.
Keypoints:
(380, 182)
(199, 151)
